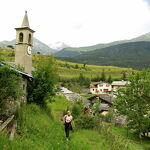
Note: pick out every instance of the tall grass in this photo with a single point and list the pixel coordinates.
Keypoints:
(118, 142)
(40, 129)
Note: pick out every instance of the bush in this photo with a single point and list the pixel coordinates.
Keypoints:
(10, 89)
(86, 122)
(76, 110)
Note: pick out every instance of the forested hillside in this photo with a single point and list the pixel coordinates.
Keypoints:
(134, 55)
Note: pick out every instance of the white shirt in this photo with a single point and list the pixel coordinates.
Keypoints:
(68, 118)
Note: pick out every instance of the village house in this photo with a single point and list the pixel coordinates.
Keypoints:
(100, 88)
(107, 88)
(119, 84)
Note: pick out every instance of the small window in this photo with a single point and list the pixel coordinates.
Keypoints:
(29, 39)
(23, 86)
(21, 37)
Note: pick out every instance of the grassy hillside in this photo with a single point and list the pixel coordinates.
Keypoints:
(69, 70)
(38, 131)
(7, 54)
(134, 55)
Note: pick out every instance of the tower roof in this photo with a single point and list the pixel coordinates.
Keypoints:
(25, 22)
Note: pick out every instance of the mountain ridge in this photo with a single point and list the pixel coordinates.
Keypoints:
(75, 51)
(133, 54)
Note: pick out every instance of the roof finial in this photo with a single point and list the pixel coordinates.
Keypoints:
(25, 22)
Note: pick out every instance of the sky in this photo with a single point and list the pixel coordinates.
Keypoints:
(77, 22)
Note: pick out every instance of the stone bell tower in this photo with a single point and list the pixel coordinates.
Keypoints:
(24, 43)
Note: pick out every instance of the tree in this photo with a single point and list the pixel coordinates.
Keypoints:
(134, 102)
(76, 66)
(123, 75)
(84, 65)
(83, 80)
(45, 78)
(10, 90)
(103, 76)
(10, 46)
(109, 79)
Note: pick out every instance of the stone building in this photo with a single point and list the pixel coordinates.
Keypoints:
(24, 43)
(23, 51)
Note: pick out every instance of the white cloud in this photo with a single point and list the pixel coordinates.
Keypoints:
(77, 22)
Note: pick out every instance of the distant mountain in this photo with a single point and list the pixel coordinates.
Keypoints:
(38, 46)
(70, 51)
(132, 54)
(58, 46)
(41, 47)
(6, 43)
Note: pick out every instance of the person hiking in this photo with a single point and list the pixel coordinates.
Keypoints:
(67, 122)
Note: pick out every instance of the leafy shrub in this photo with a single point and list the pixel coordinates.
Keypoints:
(10, 88)
(76, 110)
(86, 122)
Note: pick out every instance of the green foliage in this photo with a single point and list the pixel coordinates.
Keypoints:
(77, 110)
(92, 72)
(83, 80)
(76, 66)
(10, 46)
(124, 75)
(109, 79)
(37, 131)
(45, 79)
(10, 87)
(103, 76)
(117, 142)
(96, 107)
(134, 102)
(86, 122)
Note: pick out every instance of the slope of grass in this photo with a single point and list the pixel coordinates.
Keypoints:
(7, 54)
(69, 70)
(122, 131)
(38, 131)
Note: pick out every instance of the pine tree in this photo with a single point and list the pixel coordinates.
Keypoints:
(109, 79)
(103, 76)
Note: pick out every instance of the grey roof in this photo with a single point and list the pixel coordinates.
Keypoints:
(104, 107)
(103, 97)
(25, 22)
(120, 83)
(107, 98)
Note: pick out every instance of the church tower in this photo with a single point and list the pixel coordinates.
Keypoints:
(24, 43)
